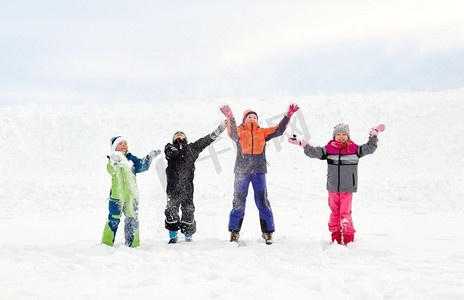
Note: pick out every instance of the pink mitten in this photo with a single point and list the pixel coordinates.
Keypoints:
(227, 111)
(380, 128)
(292, 109)
(295, 141)
(375, 131)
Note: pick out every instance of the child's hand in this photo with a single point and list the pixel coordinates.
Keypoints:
(115, 158)
(226, 111)
(170, 151)
(292, 109)
(380, 128)
(153, 154)
(295, 141)
(375, 131)
(221, 127)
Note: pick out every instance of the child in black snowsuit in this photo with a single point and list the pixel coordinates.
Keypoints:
(181, 157)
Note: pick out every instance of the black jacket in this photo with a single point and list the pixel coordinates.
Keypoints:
(181, 164)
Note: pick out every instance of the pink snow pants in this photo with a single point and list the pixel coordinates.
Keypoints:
(340, 218)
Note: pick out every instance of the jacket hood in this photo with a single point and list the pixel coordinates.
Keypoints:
(250, 126)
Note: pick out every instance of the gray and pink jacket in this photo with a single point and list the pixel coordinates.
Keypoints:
(342, 169)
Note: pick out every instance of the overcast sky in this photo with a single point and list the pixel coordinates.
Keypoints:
(72, 51)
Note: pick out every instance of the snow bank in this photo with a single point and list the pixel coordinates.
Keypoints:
(407, 212)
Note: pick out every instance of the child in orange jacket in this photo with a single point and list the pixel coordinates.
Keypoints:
(251, 166)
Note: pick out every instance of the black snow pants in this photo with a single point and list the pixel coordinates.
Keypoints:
(181, 198)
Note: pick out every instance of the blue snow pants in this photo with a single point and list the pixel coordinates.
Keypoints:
(131, 223)
(241, 184)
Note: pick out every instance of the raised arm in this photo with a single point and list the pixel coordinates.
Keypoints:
(231, 124)
(205, 141)
(371, 144)
(313, 152)
(280, 129)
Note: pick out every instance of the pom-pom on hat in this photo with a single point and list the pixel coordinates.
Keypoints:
(115, 140)
(341, 128)
(248, 112)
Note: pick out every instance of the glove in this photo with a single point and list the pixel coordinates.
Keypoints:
(375, 131)
(292, 109)
(296, 141)
(153, 154)
(226, 111)
(116, 158)
(170, 151)
(222, 126)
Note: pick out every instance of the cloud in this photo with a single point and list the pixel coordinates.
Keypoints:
(210, 47)
(433, 25)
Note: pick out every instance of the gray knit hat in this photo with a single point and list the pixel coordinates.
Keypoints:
(341, 128)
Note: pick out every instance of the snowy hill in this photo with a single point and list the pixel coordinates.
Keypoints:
(408, 210)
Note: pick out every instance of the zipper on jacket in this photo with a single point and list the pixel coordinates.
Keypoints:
(252, 138)
(339, 165)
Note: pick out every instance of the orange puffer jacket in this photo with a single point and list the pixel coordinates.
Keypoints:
(251, 141)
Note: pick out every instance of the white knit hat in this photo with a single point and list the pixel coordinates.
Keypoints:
(115, 141)
(341, 128)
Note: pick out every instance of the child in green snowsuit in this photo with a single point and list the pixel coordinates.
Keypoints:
(122, 166)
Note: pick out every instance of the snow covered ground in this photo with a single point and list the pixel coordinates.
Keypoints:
(408, 211)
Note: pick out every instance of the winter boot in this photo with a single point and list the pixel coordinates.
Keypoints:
(172, 237)
(267, 236)
(234, 236)
(188, 237)
(348, 238)
(337, 237)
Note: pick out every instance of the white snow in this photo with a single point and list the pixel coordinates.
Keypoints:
(408, 211)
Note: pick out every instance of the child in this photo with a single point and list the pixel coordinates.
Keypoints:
(250, 166)
(342, 156)
(181, 157)
(122, 166)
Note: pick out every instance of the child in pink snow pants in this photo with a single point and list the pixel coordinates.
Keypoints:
(342, 156)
